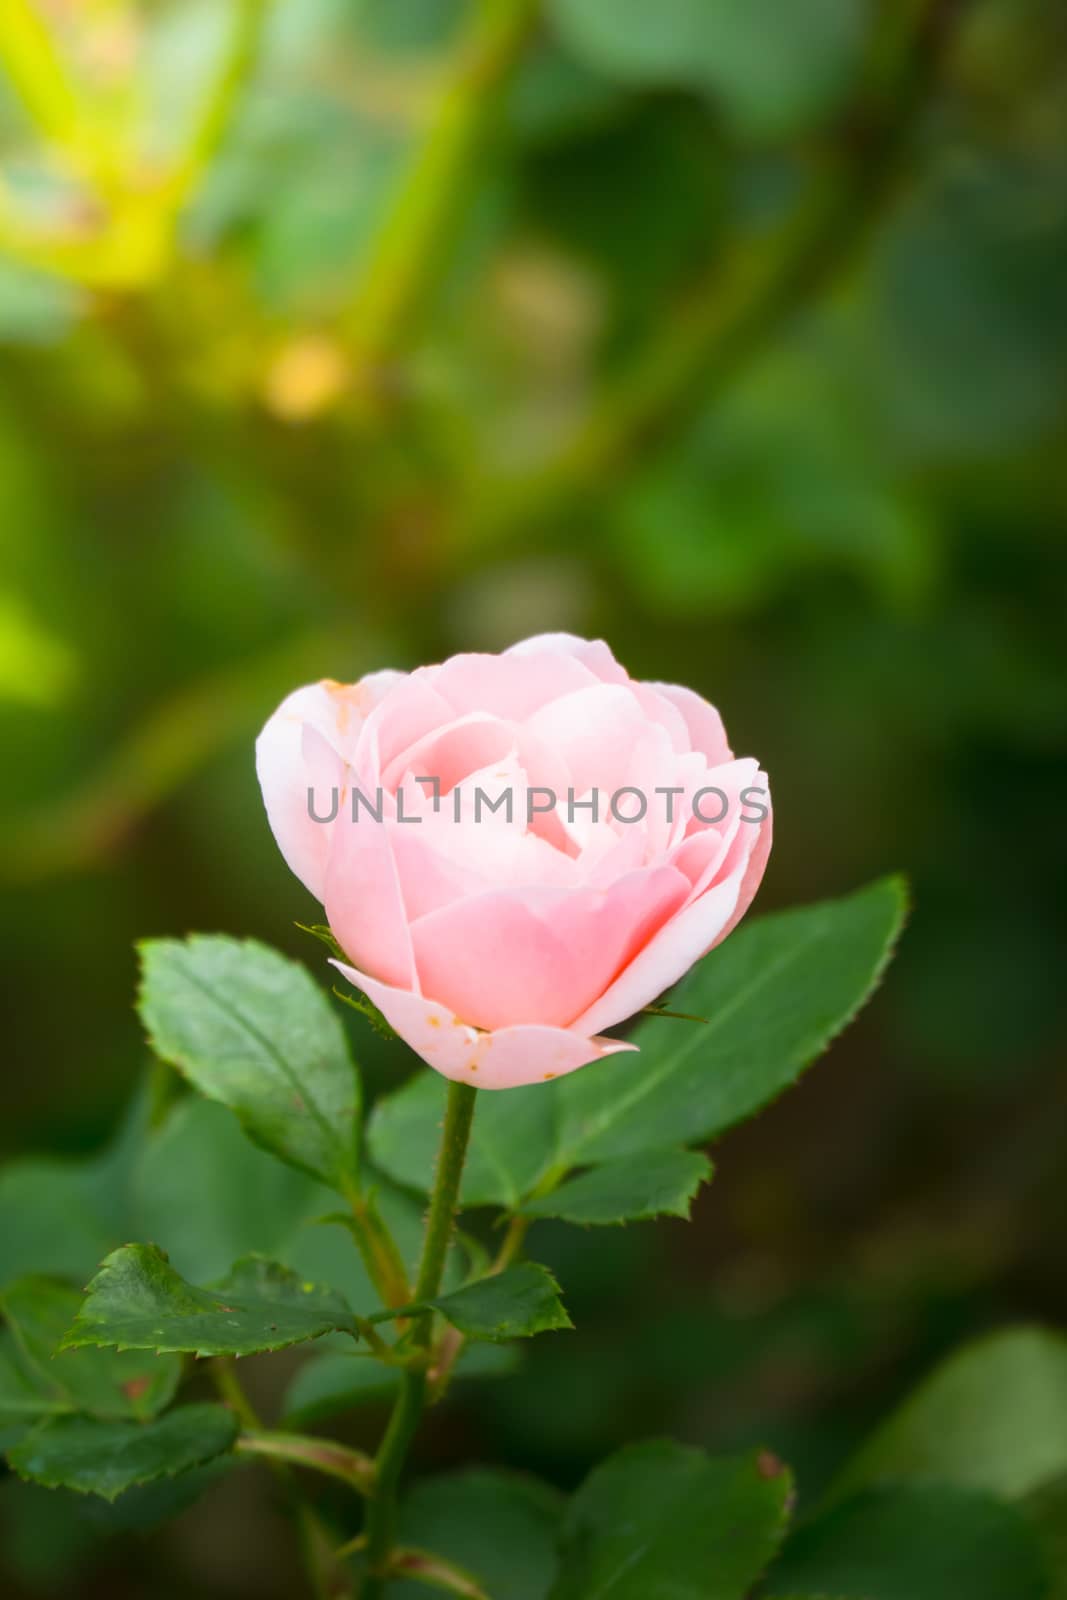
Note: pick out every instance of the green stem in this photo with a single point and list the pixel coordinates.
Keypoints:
(406, 254)
(232, 1391)
(407, 1412)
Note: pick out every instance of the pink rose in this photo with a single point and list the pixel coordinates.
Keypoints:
(515, 851)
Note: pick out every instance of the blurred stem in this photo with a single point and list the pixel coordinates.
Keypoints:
(232, 1391)
(39, 78)
(176, 740)
(234, 71)
(761, 282)
(320, 1455)
(405, 258)
(328, 1577)
(382, 1513)
(379, 1251)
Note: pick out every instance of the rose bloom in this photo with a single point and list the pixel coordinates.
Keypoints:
(502, 944)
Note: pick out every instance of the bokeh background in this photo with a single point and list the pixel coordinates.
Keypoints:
(337, 334)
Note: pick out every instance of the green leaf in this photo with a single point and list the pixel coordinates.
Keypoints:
(777, 992)
(138, 1302)
(340, 1380)
(994, 1417)
(513, 1304)
(499, 1526)
(513, 1141)
(1046, 1512)
(250, 1028)
(658, 1521)
(773, 67)
(103, 1383)
(655, 1183)
(62, 1217)
(246, 1203)
(915, 1543)
(107, 1458)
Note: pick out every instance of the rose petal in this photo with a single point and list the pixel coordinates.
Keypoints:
(669, 954)
(548, 952)
(703, 721)
(364, 902)
(302, 747)
(508, 1058)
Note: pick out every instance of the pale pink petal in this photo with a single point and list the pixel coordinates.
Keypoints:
(592, 653)
(512, 686)
(509, 1058)
(594, 730)
(703, 721)
(669, 954)
(665, 712)
(364, 904)
(539, 954)
(288, 764)
(754, 870)
(450, 753)
(409, 710)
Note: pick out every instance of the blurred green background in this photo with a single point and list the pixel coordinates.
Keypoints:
(337, 335)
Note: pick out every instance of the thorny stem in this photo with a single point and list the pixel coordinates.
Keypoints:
(381, 1515)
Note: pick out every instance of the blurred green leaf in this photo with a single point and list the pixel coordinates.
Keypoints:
(659, 1521)
(1046, 1510)
(107, 1458)
(138, 1302)
(500, 1526)
(243, 1202)
(967, 309)
(914, 1544)
(656, 1183)
(513, 1304)
(773, 68)
(62, 1216)
(993, 1417)
(250, 1028)
(36, 668)
(339, 1381)
(105, 1384)
(246, 1203)
(784, 478)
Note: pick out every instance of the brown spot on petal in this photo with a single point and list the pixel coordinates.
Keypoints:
(549, 1075)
